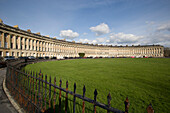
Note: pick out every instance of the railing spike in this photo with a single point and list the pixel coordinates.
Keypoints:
(150, 108)
(74, 99)
(75, 85)
(95, 92)
(84, 90)
(126, 105)
(109, 101)
(95, 98)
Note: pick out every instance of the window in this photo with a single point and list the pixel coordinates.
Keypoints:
(0, 53)
(7, 53)
(12, 45)
(12, 53)
(16, 42)
(6, 44)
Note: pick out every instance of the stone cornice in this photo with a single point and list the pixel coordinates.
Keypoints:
(41, 37)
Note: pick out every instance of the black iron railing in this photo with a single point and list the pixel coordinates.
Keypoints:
(37, 93)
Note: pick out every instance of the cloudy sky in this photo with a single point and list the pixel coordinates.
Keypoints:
(116, 22)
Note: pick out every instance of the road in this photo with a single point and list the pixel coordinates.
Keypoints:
(5, 105)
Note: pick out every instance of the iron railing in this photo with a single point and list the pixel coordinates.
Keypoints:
(36, 93)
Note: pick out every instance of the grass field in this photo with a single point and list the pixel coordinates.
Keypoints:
(144, 81)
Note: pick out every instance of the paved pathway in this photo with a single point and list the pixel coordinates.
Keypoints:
(5, 105)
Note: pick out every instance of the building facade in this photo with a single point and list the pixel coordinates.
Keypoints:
(17, 42)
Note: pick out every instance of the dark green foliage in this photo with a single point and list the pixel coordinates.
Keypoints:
(81, 54)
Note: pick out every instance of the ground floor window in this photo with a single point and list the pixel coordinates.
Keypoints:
(12, 53)
(7, 53)
(1, 53)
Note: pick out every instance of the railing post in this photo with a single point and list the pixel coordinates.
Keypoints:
(39, 93)
(50, 92)
(36, 92)
(54, 98)
(66, 101)
(150, 109)
(95, 98)
(30, 96)
(109, 102)
(126, 105)
(45, 91)
(83, 108)
(60, 97)
(42, 91)
(33, 90)
(74, 99)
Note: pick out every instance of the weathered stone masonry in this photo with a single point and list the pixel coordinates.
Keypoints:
(17, 42)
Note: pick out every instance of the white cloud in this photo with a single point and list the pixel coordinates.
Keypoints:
(150, 22)
(84, 40)
(100, 29)
(68, 34)
(158, 34)
(95, 41)
(159, 38)
(84, 33)
(164, 27)
(122, 38)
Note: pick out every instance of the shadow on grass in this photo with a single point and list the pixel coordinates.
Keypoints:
(52, 110)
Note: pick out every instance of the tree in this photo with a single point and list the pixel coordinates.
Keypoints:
(81, 54)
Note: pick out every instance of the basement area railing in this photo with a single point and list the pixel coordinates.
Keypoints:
(37, 93)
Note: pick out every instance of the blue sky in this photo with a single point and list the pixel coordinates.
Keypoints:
(116, 22)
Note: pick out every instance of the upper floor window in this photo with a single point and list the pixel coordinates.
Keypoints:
(5, 35)
(12, 45)
(6, 45)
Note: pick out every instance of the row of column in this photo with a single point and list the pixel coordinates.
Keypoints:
(17, 42)
(22, 43)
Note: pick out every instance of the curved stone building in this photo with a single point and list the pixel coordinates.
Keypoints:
(17, 42)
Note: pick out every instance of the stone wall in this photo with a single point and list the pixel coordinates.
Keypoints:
(17, 42)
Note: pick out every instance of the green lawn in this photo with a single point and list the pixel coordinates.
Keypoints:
(144, 81)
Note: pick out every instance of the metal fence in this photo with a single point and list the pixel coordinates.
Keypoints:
(38, 93)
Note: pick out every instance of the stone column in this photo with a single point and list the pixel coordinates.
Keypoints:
(46, 46)
(31, 45)
(27, 41)
(19, 42)
(23, 41)
(43, 43)
(49, 47)
(40, 49)
(35, 45)
(2, 40)
(14, 42)
(52, 47)
(9, 41)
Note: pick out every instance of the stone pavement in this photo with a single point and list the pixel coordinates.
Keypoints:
(5, 105)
